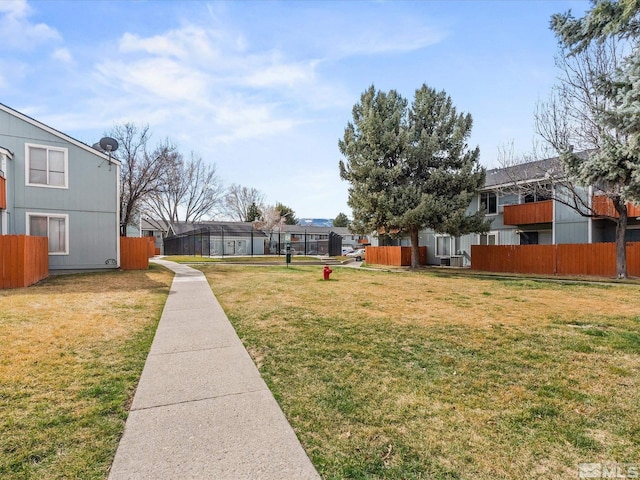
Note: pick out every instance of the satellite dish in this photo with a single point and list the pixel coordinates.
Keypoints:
(96, 146)
(108, 144)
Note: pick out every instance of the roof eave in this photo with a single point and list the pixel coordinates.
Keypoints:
(58, 134)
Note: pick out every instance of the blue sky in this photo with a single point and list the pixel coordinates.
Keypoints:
(264, 89)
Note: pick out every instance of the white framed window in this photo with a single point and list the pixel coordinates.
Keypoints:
(46, 166)
(53, 226)
(490, 238)
(3, 164)
(538, 194)
(443, 245)
(489, 201)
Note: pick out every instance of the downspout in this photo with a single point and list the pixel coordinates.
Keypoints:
(5, 214)
(553, 215)
(590, 218)
(118, 215)
(553, 229)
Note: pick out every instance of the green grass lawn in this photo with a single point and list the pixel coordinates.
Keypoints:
(72, 351)
(419, 375)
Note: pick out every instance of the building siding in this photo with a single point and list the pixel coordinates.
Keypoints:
(90, 199)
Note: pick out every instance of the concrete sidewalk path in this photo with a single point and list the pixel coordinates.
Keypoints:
(201, 409)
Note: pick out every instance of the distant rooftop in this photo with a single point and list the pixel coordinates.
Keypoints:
(535, 170)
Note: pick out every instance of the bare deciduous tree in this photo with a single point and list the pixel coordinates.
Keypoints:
(570, 119)
(238, 202)
(191, 192)
(142, 172)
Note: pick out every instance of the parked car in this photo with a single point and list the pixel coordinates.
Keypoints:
(346, 250)
(357, 254)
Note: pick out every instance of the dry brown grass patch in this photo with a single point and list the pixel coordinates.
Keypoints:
(73, 348)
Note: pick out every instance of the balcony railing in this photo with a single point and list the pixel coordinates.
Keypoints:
(603, 206)
(529, 213)
(3, 193)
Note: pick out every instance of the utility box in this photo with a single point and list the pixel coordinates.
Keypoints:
(456, 261)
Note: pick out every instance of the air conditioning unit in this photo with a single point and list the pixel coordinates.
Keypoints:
(456, 261)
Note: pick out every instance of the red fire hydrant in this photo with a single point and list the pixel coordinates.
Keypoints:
(326, 271)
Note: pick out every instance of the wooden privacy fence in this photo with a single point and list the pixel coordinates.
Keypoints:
(396, 256)
(597, 259)
(135, 252)
(24, 260)
(151, 247)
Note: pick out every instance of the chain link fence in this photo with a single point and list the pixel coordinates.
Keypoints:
(245, 240)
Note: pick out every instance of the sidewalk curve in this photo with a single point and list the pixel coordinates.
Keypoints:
(201, 410)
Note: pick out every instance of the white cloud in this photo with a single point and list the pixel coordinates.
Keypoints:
(238, 122)
(17, 31)
(156, 45)
(376, 34)
(211, 77)
(17, 8)
(160, 78)
(63, 55)
(189, 43)
(378, 41)
(284, 75)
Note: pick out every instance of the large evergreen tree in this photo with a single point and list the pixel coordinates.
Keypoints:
(615, 166)
(287, 214)
(253, 213)
(411, 168)
(341, 220)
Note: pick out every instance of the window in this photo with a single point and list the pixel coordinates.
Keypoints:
(46, 166)
(539, 194)
(489, 201)
(488, 239)
(52, 226)
(443, 246)
(528, 238)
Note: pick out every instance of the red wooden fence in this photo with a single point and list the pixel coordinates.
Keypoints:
(597, 259)
(540, 259)
(135, 252)
(24, 260)
(151, 248)
(396, 256)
